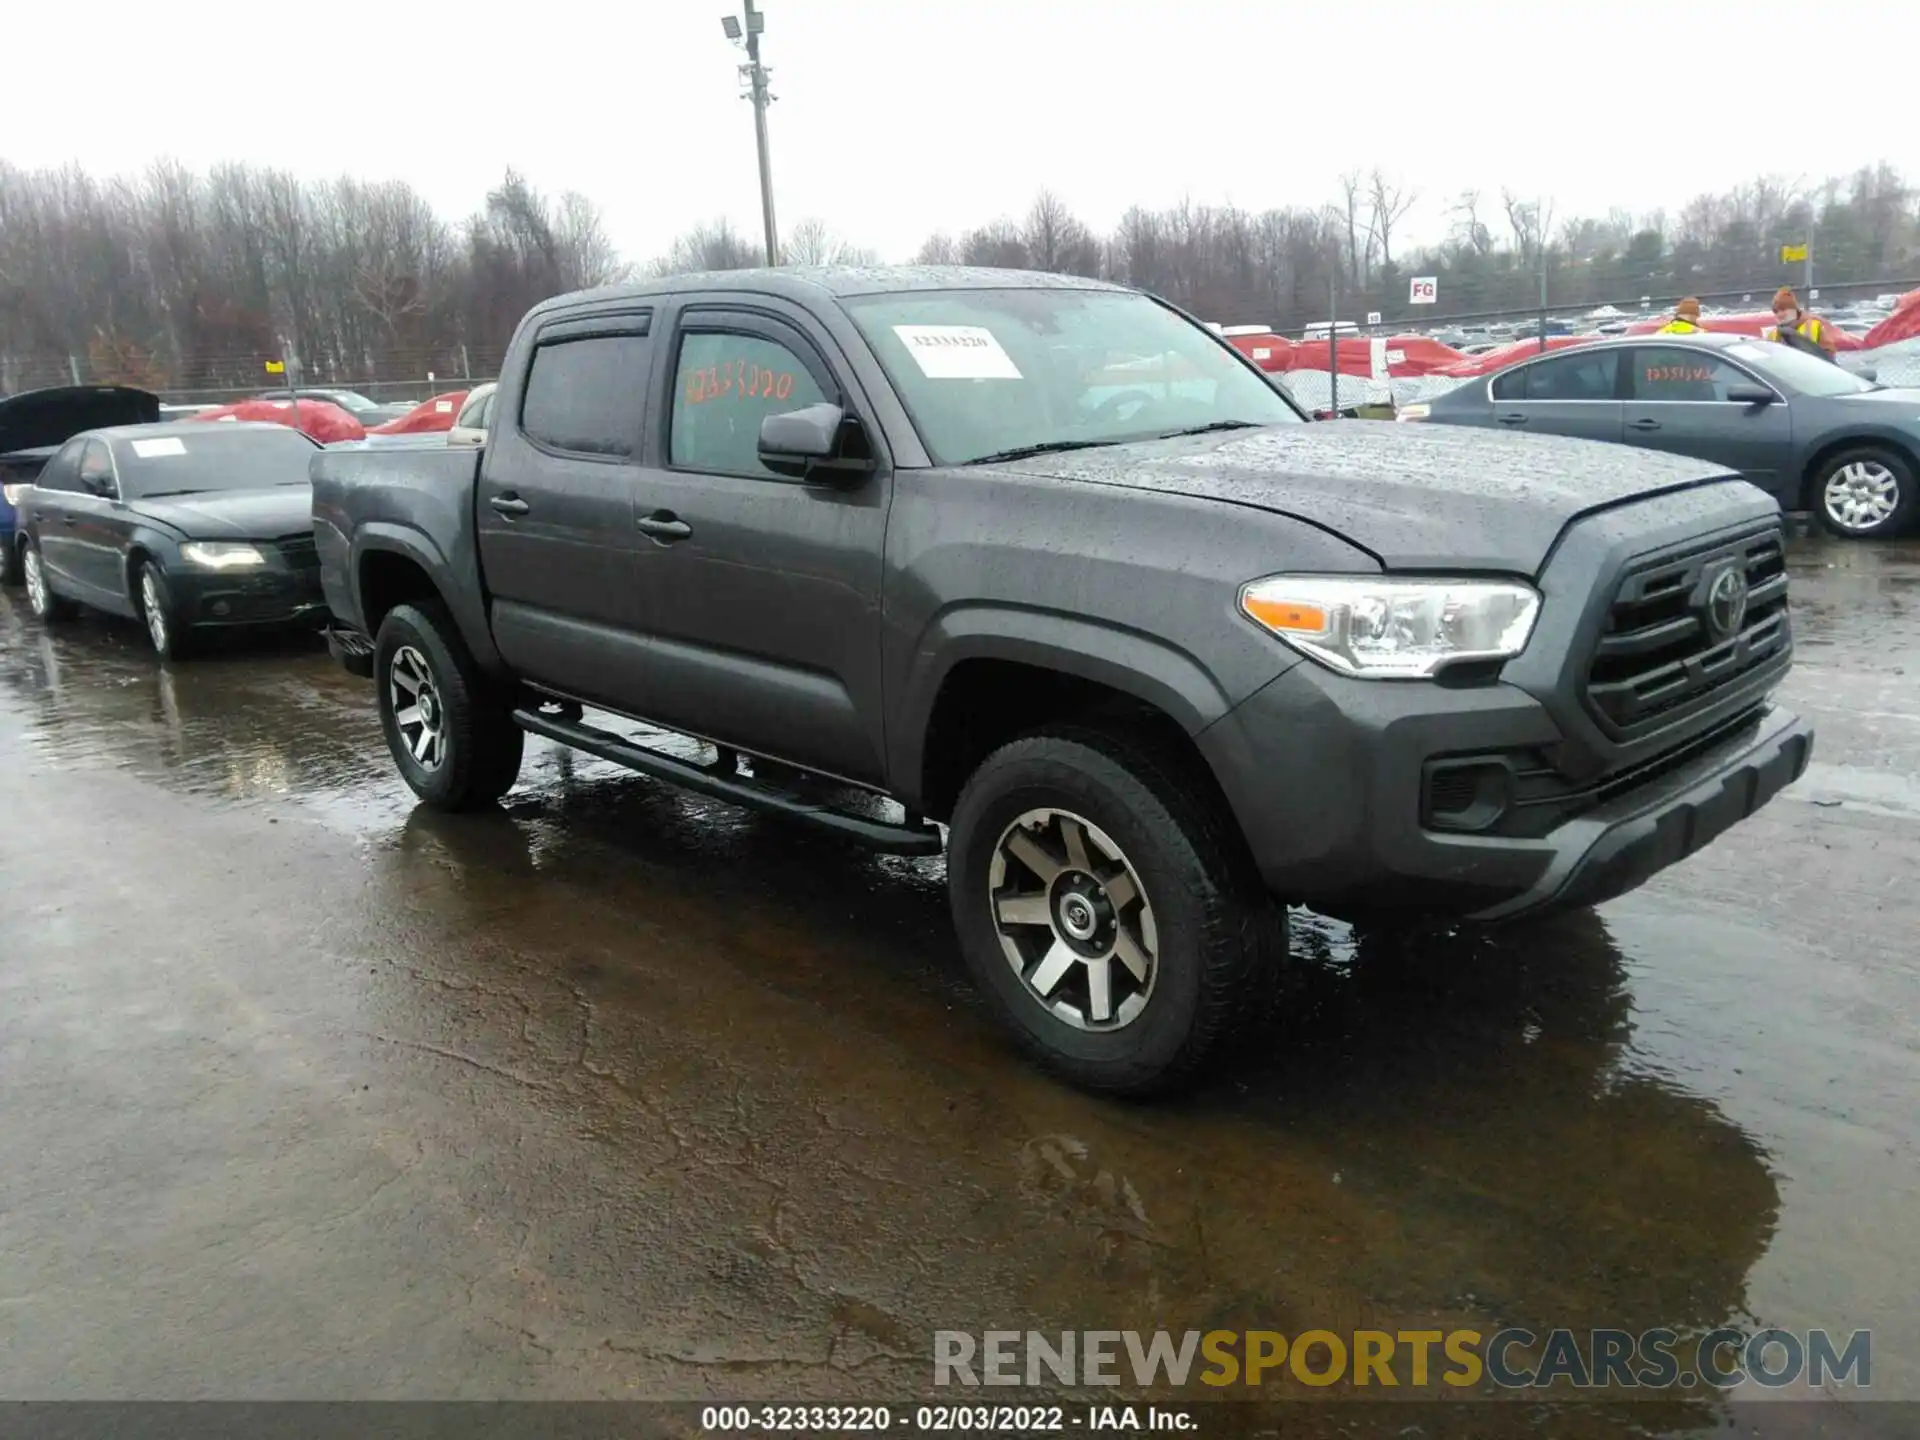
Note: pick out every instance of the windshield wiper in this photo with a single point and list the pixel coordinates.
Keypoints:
(1209, 428)
(1050, 447)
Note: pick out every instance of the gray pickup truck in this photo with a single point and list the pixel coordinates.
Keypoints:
(1047, 562)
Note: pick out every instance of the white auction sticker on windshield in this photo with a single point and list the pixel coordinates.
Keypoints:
(957, 352)
(153, 449)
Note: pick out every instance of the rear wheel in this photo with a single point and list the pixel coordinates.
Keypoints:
(47, 607)
(450, 733)
(1865, 493)
(1106, 908)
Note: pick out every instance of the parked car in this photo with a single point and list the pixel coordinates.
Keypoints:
(34, 424)
(368, 412)
(1159, 660)
(1811, 434)
(183, 526)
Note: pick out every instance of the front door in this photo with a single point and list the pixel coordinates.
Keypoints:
(1572, 394)
(761, 592)
(97, 517)
(555, 507)
(1679, 403)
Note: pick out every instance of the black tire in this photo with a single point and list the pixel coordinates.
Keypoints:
(158, 615)
(10, 571)
(47, 607)
(1875, 466)
(475, 757)
(1221, 937)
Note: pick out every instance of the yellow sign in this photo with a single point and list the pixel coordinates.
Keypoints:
(276, 367)
(1793, 252)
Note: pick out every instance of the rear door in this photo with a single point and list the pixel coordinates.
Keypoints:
(761, 592)
(51, 518)
(1576, 394)
(1678, 403)
(555, 507)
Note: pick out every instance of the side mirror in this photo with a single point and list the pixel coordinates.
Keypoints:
(1750, 395)
(98, 485)
(819, 438)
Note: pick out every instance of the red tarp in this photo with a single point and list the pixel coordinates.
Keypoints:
(1903, 324)
(1467, 366)
(439, 413)
(325, 423)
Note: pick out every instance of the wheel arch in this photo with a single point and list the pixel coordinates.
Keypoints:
(396, 565)
(1900, 445)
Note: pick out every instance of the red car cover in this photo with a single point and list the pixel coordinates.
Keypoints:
(439, 413)
(1903, 324)
(1471, 365)
(325, 423)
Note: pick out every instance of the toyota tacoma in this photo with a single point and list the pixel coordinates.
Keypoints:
(1043, 573)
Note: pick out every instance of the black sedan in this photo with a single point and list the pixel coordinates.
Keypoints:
(183, 526)
(1812, 435)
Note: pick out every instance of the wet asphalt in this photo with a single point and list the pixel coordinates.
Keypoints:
(306, 1093)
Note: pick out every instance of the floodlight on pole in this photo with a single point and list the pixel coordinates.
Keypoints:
(756, 76)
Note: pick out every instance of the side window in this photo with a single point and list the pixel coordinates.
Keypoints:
(585, 395)
(96, 469)
(1512, 385)
(1675, 374)
(62, 472)
(726, 384)
(1575, 377)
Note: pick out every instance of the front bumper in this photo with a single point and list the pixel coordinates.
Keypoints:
(269, 596)
(1327, 775)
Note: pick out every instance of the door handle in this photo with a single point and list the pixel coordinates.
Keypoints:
(509, 504)
(1511, 419)
(1643, 424)
(664, 525)
(68, 520)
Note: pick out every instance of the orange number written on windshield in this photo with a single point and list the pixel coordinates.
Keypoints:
(738, 380)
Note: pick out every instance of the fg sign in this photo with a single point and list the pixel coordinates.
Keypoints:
(1424, 291)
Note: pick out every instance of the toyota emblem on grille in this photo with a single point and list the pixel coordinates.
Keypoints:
(1727, 602)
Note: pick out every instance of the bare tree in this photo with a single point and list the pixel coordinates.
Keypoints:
(812, 243)
(715, 245)
(938, 249)
(1387, 203)
(1359, 235)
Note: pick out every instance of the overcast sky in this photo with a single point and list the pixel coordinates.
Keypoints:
(896, 118)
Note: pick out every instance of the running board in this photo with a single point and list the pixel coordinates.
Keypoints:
(908, 839)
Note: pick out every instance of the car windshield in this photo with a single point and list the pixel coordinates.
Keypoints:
(1808, 374)
(992, 373)
(222, 458)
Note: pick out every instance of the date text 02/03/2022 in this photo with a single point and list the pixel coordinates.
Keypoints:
(941, 1419)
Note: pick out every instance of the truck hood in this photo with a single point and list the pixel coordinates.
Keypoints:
(1416, 497)
(263, 514)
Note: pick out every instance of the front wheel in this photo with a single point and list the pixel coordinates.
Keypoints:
(47, 607)
(158, 614)
(1865, 493)
(452, 738)
(1106, 907)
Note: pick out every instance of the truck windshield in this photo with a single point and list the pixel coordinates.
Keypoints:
(988, 373)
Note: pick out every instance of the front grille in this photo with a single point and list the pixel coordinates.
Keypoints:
(299, 551)
(1659, 660)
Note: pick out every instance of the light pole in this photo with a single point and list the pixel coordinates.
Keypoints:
(755, 74)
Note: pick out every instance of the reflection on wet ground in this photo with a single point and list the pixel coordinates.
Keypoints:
(624, 1093)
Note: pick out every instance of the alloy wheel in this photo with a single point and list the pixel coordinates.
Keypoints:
(36, 578)
(1074, 920)
(154, 609)
(418, 712)
(1861, 495)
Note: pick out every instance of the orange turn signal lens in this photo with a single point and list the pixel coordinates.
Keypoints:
(1290, 615)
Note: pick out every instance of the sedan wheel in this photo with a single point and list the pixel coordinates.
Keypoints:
(1862, 496)
(154, 608)
(46, 605)
(1074, 921)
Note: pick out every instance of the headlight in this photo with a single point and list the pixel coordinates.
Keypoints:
(1383, 628)
(221, 557)
(13, 493)
(1413, 412)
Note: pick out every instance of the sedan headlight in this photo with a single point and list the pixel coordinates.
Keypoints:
(1378, 627)
(221, 556)
(13, 493)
